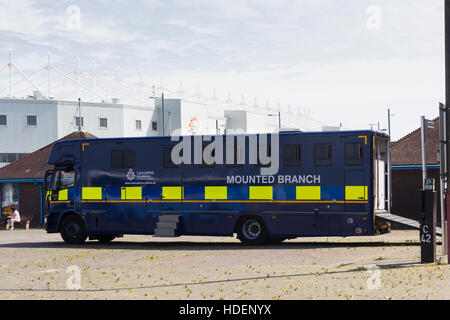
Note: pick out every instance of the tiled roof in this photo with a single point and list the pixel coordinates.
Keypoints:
(408, 150)
(34, 165)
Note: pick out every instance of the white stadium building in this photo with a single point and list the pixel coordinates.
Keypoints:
(37, 108)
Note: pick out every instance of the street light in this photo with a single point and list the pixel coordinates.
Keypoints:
(390, 115)
(279, 118)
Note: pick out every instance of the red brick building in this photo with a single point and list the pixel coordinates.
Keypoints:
(406, 162)
(21, 182)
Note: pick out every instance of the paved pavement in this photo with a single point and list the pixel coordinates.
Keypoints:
(35, 265)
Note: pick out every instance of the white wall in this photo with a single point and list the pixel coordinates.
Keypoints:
(91, 113)
(194, 118)
(179, 114)
(237, 121)
(256, 123)
(145, 115)
(172, 118)
(56, 119)
(16, 136)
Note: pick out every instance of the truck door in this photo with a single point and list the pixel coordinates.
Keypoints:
(381, 173)
(166, 196)
(356, 175)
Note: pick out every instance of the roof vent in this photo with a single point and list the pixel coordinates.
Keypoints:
(37, 95)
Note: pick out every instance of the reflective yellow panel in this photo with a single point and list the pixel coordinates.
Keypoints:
(216, 193)
(261, 193)
(131, 193)
(308, 193)
(356, 193)
(172, 193)
(91, 193)
(63, 195)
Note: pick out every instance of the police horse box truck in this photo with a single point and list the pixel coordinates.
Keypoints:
(287, 185)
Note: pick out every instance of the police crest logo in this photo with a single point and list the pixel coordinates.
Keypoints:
(130, 175)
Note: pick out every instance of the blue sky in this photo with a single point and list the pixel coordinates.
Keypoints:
(347, 61)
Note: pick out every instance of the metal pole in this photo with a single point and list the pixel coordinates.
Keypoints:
(389, 162)
(279, 119)
(79, 114)
(443, 171)
(447, 106)
(169, 122)
(424, 160)
(389, 121)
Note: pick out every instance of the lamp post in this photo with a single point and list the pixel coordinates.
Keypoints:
(447, 108)
(279, 118)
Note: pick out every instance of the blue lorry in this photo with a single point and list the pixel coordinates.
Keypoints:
(326, 184)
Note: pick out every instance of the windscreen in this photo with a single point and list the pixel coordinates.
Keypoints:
(63, 179)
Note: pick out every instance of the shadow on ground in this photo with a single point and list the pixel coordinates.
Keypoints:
(360, 268)
(192, 245)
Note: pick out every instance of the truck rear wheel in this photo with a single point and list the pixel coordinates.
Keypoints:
(252, 231)
(72, 230)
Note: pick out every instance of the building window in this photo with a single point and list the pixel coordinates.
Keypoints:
(154, 126)
(3, 120)
(167, 158)
(103, 123)
(354, 154)
(11, 157)
(9, 196)
(122, 159)
(138, 125)
(323, 155)
(77, 121)
(292, 155)
(31, 121)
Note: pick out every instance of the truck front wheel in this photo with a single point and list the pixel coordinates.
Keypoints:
(72, 230)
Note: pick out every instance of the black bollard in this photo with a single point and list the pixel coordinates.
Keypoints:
(428, 225)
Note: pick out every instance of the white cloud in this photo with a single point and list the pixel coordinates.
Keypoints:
(313, 53)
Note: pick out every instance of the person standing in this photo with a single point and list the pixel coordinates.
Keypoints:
(14, 217)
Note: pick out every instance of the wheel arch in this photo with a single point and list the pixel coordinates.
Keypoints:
(66, 214)
(247, 216)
